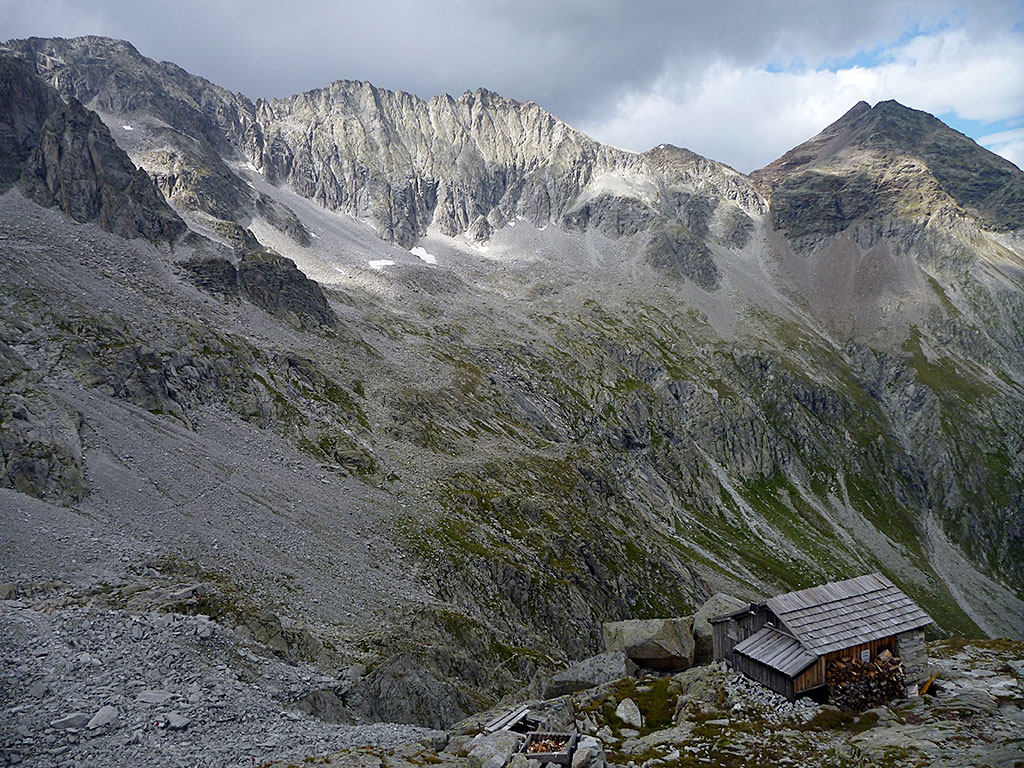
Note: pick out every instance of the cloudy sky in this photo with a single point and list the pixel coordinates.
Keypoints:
(738, 81)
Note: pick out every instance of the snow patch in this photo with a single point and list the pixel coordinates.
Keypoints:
(314, 235)
(128, 127)
(421, 253)
(380, 263)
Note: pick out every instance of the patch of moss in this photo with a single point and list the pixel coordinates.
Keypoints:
(944, 377)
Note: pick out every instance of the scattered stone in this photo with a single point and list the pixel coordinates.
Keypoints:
(105, 716)
(38, 690)
(73, 720)
(629, 713)
(153, 697)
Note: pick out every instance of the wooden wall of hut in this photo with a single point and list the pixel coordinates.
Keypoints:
(727, 634)
(763, 674)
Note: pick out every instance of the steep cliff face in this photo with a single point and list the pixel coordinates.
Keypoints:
(64, 157)
(609, 385)
(473, 164)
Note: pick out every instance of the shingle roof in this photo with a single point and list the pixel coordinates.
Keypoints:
(777, 650)
(844, 613)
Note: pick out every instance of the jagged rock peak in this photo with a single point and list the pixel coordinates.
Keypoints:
(403, 164)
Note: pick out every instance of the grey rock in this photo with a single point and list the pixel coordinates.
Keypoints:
(661, 644)
(629, 713)
(213, 274)
(274, 284)
(38, 690)
(589, 673)
(678, 253)
(104, 716)
(175, 722)
(494, 750)
(325, 705)
(153, 696)
(72, 720)
(589, 753)
(40, 446)
(75, 165)
(434, 740)
(407, 689)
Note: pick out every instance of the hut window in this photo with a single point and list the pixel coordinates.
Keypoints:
(865, 655)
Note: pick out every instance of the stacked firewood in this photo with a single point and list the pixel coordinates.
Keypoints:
(853, 684)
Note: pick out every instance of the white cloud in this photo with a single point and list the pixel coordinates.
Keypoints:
(1009, 144)
(748, 116)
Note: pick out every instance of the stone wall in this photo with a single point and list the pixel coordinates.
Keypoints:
(911, 649)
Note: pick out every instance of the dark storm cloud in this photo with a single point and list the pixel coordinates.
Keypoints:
(579, 59)
(572, 57)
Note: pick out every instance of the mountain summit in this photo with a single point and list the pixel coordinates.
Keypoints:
(898, 158)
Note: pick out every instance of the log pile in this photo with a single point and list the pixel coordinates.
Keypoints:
(853, 684)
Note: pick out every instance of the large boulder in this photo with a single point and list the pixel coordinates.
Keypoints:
(589, 673)
(718, 604)
(589, 754)
(662, 644)
(494, 750)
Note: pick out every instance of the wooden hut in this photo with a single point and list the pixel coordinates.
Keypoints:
(788, 641)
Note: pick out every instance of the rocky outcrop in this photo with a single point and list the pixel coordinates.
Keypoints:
(268, 280)
(25, 103)
(64, 157)
(40, 446)
(77, 167)
(274, 284)
(678, 253)
(403, 689)
(213, 274)
(589, 673)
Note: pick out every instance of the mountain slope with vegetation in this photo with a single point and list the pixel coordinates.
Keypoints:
(600, 385)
